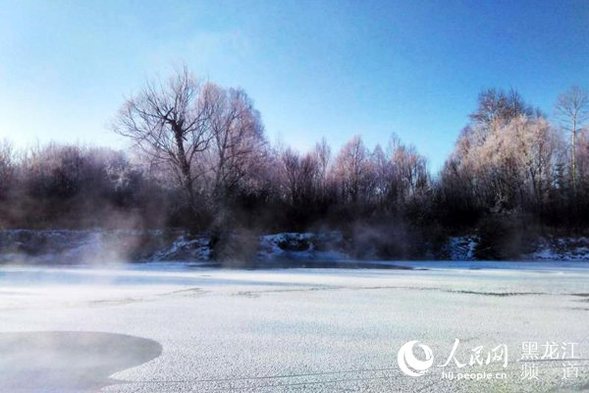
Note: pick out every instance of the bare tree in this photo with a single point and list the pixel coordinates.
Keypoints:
(497, 107)
(170, 123)
(572, 108)
(299, 175)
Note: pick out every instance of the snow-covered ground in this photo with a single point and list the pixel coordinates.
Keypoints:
(180, 328)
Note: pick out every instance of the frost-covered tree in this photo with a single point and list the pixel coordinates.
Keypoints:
(300, 177)
(238, 147)
(513, 168)
(572, 109)
(352, 171)
(410, 172)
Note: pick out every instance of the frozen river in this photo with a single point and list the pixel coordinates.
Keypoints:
(182, 328)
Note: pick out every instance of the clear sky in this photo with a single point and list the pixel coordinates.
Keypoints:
(313, 68)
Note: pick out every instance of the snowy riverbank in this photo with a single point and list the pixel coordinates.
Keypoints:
(100, 246)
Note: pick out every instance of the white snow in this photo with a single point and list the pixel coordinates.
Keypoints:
(185, 248)
(561, 249)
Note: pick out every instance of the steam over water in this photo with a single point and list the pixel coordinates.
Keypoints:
(68, 361)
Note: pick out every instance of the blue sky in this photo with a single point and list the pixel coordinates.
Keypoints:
(313, 68)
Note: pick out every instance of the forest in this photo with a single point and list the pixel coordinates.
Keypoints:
(199, 160)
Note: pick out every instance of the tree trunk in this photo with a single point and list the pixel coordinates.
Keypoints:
(186, 172)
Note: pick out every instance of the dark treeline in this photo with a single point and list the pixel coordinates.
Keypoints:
(200, 160)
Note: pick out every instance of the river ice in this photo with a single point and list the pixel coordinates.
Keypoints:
(319, 330)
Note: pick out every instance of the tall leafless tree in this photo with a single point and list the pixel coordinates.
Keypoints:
(170, 122)
(572, 108)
